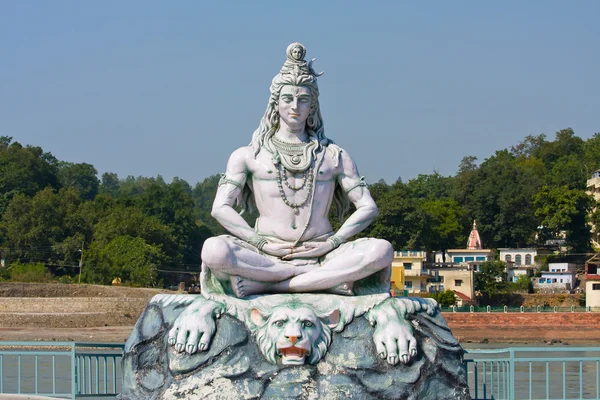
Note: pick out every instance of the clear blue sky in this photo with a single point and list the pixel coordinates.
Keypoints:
(172, 88)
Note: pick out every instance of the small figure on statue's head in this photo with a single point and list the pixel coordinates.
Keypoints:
(293, 174)
(296, 52)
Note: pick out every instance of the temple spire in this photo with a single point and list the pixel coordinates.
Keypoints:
(474, 242)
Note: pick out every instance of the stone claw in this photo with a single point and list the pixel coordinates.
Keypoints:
(195, 327)
(393, 360)
(404, 358)
(191, 348)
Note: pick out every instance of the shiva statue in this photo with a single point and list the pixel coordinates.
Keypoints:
(292, 174)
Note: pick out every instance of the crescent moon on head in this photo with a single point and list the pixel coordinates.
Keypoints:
(312, 70)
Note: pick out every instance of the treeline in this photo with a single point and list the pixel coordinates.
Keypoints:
(520, 197)
(143, 229)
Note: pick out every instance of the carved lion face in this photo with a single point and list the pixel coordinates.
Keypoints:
(293, 335)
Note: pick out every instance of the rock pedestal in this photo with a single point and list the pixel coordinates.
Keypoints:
(235, 367)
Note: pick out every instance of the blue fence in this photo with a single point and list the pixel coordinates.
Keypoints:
(61, 369)
(522, 309)
(534, 373)
(93, 370)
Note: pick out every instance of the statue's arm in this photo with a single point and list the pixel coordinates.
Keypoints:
(229, 190)
(359, 195)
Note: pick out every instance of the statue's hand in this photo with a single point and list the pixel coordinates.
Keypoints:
(277, 249)
(194, 328)
(310, 250)
(394, 340)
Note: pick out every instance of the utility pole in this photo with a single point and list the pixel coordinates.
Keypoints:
(80, 261)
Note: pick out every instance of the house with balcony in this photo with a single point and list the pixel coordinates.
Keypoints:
(560, 278)
(414, 277)
(449, 276)
(519, 262)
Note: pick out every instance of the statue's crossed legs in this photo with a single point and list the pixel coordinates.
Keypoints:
(254, 272)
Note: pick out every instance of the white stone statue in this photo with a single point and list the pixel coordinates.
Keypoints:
(292, 174)
(266, 276)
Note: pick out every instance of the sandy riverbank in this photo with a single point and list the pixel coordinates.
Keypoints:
(91, 313)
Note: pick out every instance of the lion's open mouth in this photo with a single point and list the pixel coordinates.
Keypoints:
(291, 354)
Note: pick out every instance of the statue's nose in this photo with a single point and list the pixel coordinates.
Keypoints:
(292, 339)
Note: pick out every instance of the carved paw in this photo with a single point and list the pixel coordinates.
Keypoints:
(195, 327)
(413, 305)
(394, 341)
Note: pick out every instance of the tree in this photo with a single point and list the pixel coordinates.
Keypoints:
(501, 200)
(443, 224)
(129, 258)
(397, 217)
(490, 281)
(24, 170)
(563, 209)
(82, 177)
(446, 298)
(433, 186)
(110, 184)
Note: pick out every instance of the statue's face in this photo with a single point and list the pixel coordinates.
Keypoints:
(294, 105)
(297, 53)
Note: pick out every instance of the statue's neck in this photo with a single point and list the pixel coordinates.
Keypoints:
(292, 134)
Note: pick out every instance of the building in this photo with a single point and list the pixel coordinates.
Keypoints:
(519, 262)
(397, 279)
(458, 278)
(560, 277)
(473, 256)
(592, 282)
(593, 189)
(421, 276)
(414, 278)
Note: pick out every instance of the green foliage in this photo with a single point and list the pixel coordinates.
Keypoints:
(564, 209)
(24, 170)
(490, 281)
(522, 285)
(18, 272)
(50, 210)
(129, 258)
(82, 177)
(445, 299)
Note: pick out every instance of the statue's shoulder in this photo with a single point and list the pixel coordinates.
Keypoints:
(241, 155)
(339, 155)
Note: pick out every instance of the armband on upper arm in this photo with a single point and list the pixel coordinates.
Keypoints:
(359, 183)
(224, 180)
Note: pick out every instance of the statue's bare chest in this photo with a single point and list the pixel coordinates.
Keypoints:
(262, 168)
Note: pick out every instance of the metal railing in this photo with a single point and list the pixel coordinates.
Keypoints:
(61, 369)
(521, 309)
(534, 373)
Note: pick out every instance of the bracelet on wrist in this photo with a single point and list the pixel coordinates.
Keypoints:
(336, 241)
(257, 241)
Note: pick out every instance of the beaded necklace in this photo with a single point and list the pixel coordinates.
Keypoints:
(307, 180)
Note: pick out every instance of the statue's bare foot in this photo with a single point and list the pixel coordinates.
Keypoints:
(344, 289)
(245, 287)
